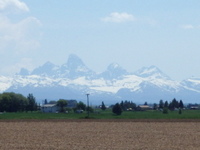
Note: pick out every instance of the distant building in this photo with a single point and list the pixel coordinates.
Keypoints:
(144, 107)
(194, 107)
(49, 108)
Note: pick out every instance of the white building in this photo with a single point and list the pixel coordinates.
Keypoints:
(49, 108)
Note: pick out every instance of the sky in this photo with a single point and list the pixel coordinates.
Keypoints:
(132, 33)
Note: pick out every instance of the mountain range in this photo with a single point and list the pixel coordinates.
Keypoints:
(73, 80)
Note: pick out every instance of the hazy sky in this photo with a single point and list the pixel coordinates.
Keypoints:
(132, 33)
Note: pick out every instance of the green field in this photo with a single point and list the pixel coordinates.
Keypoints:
(186, 114)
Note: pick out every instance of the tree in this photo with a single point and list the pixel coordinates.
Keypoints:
(166, 104)
(52, 102)
(103, 107)
(81, 106)
(165, 110)
(45, 101)
(126, 105)
(161, 104)
(145, 103)
(90, 109)
(180, 111)
(12, 102)
(122, 105)
(171, 107)
(117, 109)
(181, 104)
(5, 102)
(174, 104)
(155, 107)
(32, 105)
(62, 104)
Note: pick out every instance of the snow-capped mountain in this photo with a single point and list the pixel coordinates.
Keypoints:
(48, 69)
(152, 72)
(74, 79)
(114, 71)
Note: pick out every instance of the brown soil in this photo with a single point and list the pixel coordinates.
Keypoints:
(100, 134)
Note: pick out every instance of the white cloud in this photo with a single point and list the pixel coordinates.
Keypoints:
(13, 4)
(119, 17)
(19, 36)
(187, 26)
(12, 69)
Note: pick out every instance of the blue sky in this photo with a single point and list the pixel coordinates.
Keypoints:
(132, 33)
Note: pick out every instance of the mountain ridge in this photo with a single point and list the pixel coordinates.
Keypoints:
(74, 79)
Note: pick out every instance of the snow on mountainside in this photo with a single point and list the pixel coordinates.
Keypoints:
(113, 71)
(152, 72)
(192, 84)
(74, 79)
(47, 69)
(75, 68)
(5, 83)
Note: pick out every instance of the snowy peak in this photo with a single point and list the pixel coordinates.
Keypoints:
(75, 68)
(48, 69)
(115, 83)
(192, 83)
(152, 72)
(115, 67)
(113, 71)
(74, 62)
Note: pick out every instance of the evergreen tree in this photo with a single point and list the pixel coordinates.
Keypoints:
(171, 107)
(132, 105)
(103, 107)
(166, 104)
(161, 104)
(32, 105)
(45, 101)
(122, 105)
(181, 104)
(117, 109)
(175, 103)
(155, 107)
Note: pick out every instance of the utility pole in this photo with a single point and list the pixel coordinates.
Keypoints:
(88, 111)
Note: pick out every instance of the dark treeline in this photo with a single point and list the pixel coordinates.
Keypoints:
(174, 104)
(12, 102)
(125, 105)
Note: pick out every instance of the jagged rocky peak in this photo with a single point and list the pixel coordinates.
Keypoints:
(75, 68)
(23, 72)
(113, 71)
(151, 71)
(47, 68)
(114, 67)
(74, 62)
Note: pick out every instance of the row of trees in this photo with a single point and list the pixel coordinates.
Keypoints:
(63, 105)
(12, 102)
(174, 104)
(165, 106)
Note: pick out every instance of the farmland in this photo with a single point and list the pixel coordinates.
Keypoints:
(99, 134)
(186, 114)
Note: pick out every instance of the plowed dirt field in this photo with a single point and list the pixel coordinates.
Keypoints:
(99, 135)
